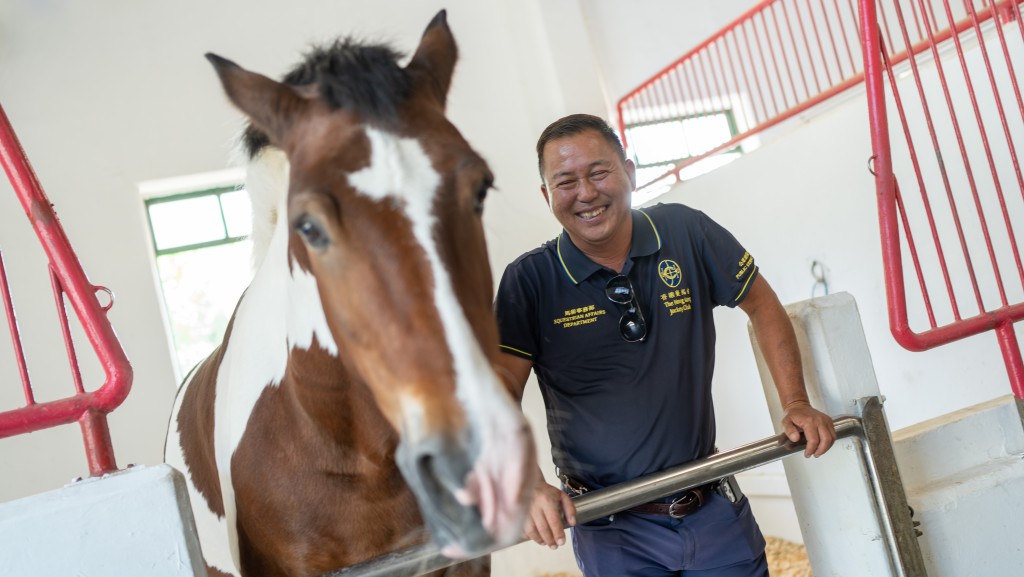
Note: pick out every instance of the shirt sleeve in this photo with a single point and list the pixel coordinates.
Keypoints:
(515, 308)
(731, 269)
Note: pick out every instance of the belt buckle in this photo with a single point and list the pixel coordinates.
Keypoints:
(685, 504)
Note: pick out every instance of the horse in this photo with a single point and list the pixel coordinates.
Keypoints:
(354, 406)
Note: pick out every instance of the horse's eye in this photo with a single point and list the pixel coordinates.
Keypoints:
(481, 196)
(312, 233)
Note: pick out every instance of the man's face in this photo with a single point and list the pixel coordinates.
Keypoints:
(588, 187)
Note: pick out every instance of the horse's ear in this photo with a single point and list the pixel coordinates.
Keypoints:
(271, 105)
(434, 60)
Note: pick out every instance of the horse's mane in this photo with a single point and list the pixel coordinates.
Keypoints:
(363, 77)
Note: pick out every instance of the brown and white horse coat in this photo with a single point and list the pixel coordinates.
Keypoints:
(365, 345)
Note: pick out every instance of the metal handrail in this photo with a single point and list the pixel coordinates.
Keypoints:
(897, 526)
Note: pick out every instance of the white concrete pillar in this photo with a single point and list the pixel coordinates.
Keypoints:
(832, 495)
(126, 524)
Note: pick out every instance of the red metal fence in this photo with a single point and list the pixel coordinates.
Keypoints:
(952, 70)
(959, 108)
(88, 408)
(775, 61)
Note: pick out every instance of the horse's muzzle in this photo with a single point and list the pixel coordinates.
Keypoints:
(473, 501)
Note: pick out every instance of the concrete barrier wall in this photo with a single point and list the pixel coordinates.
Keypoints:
(127, 524)
(963, 473)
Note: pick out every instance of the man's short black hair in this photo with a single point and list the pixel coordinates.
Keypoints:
(572, 125)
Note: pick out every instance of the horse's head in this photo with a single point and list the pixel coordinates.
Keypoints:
(384, 208)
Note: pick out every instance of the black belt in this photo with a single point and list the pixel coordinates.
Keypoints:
(685, 504)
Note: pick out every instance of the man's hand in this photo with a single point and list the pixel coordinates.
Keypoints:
(817, 427)
(544, 525)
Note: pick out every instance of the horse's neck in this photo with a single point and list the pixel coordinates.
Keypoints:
(340, 408)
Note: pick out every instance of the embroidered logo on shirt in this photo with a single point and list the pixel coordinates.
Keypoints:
(670, 273)
(580, 316)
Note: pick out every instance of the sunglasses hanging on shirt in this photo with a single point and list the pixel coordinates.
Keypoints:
(631, 325)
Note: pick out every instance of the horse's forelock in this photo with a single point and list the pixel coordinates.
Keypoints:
(363, 77)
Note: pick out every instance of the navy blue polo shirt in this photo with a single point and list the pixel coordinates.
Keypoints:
(618, 410)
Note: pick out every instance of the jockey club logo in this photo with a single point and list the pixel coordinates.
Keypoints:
(670, 273)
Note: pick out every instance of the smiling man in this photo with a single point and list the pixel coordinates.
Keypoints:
(615, 317)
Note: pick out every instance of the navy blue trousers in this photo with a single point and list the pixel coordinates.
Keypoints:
(721, 539)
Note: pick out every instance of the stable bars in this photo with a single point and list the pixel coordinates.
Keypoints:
(67, 279)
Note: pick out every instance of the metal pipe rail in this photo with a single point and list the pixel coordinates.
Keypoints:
(68, 279)
(876, 447)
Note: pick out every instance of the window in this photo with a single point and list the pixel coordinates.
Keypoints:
(202, 255)
(659, 146)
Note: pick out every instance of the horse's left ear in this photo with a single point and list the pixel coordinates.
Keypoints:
(434, 61)
(271, 105)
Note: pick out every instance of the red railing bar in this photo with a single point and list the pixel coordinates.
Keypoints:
(909, 233)
(764, 66)
(817, 37)
(12, 324)
(85, 303)
(1012, 356)
(888, 35)
(99, 451)
(967, 163)
(853, 14)
(924, 200)
(747, 122)
(796, 52)
(785, 59)
(657, 103)
(677, 74)
(700, 103)
(725, 94)
(831, 37)
(739, 20)
(669, 92)
(917, 19)
(942, 170)
(753, 72)
(1016, 87)
(734, 90)
(898, 100)
(984, 136)
(712, 90)
(846, 38)
(1020, 20)
(775, 65)
(931, 338)
(65, 327)
(643, 109)
(885, 181)
(743, 72)
(807, 47)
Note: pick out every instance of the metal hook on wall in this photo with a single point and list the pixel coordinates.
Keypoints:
(820, 274)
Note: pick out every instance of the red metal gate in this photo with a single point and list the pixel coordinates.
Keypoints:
(962, 124)
(88, 408)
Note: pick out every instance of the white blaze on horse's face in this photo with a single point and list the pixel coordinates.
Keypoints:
(455, 449)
